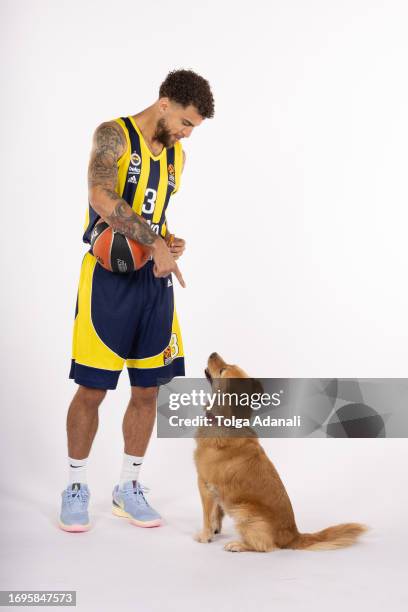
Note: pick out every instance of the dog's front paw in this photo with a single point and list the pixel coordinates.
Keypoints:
(235, 547)
(204, 537)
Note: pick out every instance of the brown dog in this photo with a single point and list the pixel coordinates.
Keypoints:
(236, 477)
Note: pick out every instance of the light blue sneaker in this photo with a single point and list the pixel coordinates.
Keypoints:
(129, 502)
(74, 509)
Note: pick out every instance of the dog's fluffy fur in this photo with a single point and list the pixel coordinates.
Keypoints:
(236, 477)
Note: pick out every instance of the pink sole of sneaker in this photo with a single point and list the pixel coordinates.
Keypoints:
(74, 528)
(149, 524)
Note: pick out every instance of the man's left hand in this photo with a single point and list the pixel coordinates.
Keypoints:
(177, 247)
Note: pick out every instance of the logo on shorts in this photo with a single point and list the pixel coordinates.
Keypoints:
(171, 351)
(167, 358)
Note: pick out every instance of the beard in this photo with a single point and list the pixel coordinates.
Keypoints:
(163, 134)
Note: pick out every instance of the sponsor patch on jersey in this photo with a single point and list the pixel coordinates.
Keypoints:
(170, 169)
(133, 170)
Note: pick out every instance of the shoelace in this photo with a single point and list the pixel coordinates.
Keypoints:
(139, 490)
(78, 496)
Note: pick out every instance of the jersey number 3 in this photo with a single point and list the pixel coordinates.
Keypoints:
(149, 201)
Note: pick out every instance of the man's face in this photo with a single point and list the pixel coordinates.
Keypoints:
(175, 122)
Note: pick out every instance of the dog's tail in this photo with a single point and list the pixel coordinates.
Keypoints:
(338, 536)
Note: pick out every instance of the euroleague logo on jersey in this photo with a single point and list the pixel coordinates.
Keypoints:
(172, 178)
(135, 161)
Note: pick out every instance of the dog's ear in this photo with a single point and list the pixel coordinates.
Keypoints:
(219, 384)
(235, 396)
(257, 386)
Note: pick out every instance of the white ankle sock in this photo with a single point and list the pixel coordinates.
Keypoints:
(77, 470)
(130, 468)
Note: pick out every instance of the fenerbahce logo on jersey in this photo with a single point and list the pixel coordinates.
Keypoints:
(135, 161)
(134, 167)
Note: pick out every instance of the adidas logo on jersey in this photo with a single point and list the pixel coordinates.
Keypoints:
(132, 179)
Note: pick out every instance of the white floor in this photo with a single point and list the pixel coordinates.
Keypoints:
(116, 565)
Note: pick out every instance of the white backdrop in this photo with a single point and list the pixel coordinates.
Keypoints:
(293, 204)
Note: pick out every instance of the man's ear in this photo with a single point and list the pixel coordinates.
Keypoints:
(163, 104)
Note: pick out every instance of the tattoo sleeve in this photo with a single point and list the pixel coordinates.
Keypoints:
(124, 220)
(109, 144)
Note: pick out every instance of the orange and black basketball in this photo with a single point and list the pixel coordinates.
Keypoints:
(115, 252)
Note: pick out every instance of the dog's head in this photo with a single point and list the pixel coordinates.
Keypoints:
(217, 368)
(232, 386)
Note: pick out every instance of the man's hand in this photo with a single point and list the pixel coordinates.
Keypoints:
(164, 261)
(177, 246)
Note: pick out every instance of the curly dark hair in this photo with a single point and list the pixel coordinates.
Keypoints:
(187, 87)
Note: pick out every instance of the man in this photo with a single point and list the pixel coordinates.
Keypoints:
(135, 167)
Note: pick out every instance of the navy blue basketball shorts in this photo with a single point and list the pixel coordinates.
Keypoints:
(125, 318)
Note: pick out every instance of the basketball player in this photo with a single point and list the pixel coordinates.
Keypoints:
(135, 167)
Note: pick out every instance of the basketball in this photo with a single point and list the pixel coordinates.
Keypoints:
(115, 252)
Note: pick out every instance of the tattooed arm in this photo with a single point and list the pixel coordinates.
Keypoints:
(109, 144)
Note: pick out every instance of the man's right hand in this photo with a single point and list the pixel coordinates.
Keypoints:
(164, 262)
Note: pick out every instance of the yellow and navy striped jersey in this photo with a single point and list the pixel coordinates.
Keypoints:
(145, 181)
